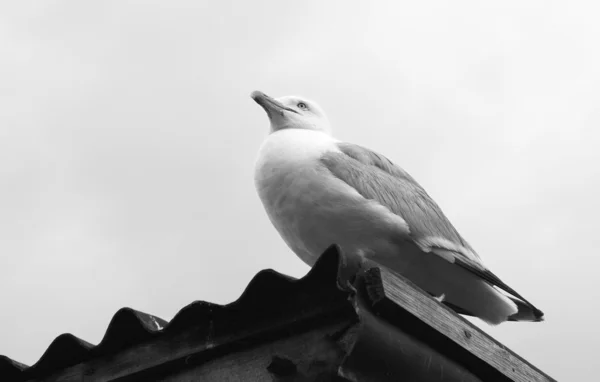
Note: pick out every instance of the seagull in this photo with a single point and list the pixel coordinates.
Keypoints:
(318, 191)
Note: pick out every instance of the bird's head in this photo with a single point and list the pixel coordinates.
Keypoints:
(291, 112)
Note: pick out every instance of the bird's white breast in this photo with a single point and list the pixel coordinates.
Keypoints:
(313, 209)
(289, 179)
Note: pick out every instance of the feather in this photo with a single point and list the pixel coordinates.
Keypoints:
(377, 178)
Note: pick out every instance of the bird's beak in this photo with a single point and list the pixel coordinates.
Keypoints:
(269, 104)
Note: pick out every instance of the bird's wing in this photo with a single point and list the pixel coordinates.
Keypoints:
(376, 178)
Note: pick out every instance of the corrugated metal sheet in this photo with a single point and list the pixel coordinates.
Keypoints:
(393, 331)
(268, 296)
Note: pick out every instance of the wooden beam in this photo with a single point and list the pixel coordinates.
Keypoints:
(384, 284)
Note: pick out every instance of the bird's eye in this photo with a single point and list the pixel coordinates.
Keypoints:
(302, 105)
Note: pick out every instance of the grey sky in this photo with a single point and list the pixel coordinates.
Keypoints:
(128, 138)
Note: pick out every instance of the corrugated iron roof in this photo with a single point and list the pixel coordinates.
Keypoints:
(268, 295)
(398, 332)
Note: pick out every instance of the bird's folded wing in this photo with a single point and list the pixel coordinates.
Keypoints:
(376, 178)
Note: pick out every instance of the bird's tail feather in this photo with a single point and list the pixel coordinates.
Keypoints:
(462, 288)
(527, 312)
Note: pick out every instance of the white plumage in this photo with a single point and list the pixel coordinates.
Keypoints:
(318, 191)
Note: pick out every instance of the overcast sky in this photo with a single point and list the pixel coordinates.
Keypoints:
(128, 139)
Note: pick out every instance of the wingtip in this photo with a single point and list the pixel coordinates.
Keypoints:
(528, 314)
(539, 315)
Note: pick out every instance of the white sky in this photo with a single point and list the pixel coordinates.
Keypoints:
(128, 138)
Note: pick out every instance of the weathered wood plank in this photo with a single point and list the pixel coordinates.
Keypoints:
(417, 302)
